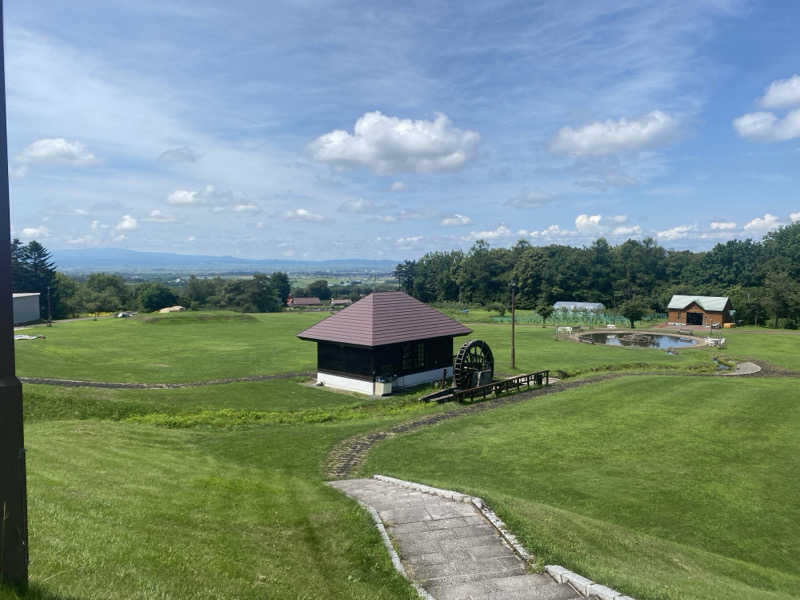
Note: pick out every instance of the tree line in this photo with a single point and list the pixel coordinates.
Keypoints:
(762, 278)
(33, 270)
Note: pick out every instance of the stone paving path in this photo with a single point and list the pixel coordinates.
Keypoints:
(450, 548)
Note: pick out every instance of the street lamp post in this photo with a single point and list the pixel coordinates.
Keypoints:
(513, 285)
(13, 488)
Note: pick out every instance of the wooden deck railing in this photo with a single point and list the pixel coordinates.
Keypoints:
(504, 385)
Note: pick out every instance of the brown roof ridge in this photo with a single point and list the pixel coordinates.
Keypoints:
(384, 318)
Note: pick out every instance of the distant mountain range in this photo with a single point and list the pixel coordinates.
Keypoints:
(118, 260)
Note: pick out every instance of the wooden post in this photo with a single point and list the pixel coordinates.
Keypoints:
(513, 325)
(13, 488)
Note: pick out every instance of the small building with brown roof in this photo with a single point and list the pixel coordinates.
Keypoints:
(709, 311)
(385, 340)
(298, 302)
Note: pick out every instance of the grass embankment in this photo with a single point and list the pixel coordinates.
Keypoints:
(221, 507)
(177, 347)
(778, 347)
(186, 347)
(677, 488)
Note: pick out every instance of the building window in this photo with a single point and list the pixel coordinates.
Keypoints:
(413, 356)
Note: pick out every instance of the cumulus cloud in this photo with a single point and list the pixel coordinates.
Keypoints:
(156, 216)
(723, 225)
(36, 232)
(456, 220)
(609, 137)
(763, 224)
(627, 230)
(389, 144)
(127, 223)
(248, 207)
(406, 243)
(500, 232)
(56, 150)
(767, 127)
(180, 154)
(184, 197)
(530, 199)
(597, 224)
(191, 238)
(302, 214)
(782, 93)
(794, 217)
(356, 205)
(677, 233)
(398, 186)
(553, 231)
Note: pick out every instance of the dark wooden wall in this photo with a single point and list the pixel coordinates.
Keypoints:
(393, 359)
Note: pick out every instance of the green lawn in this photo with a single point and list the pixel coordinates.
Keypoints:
(679, 488)
(190, 347)
(226, 508)
(175, 348)
(776, 346)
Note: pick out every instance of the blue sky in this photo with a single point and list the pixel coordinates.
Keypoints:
(385, 130)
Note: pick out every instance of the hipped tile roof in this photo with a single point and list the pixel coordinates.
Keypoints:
(384, 318)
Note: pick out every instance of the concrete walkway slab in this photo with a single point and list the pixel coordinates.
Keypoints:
(449, 548)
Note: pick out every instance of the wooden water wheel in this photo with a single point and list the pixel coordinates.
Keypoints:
(473, 365)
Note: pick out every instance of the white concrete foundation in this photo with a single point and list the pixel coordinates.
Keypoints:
(346, 383)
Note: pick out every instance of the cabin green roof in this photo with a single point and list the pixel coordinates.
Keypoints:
(709, 303)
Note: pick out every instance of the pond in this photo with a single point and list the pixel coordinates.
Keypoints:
(642, 340)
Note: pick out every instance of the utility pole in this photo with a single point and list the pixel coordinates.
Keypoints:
(13, 487)
(513, 325)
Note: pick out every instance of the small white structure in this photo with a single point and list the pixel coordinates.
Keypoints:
(572, 306)
(171, 309)
(26, 307)
(715, 342)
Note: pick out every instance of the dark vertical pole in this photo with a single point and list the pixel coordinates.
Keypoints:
(13, 495)
(513, 326)
(49, 309)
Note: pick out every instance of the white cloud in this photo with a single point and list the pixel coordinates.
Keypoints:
(181, 154)
(127, 223)
(388, 144)
(609, 137)
(500, 232)
(302, 214)
(627, 230)
(398, 186)
(597, 224)
(456, 220)
(156, 216)
(531, 199)
(782, 93)
(723, 225)
(80, 211)
(763, 224)
(406, 243)
(118, 238)
(191, 238)
(356, 205)
(248, 207)
(184, 197)
(794, 217)
(766, 127)
(553, 231)
(36, 232)
(677, 233)
(56, 150)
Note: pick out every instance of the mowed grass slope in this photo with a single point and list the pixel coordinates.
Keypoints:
(778, 347)
(221, 508)
(171, 348)
(187, 347)
(664, 487)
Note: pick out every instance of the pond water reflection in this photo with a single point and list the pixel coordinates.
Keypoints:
(642, 340)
